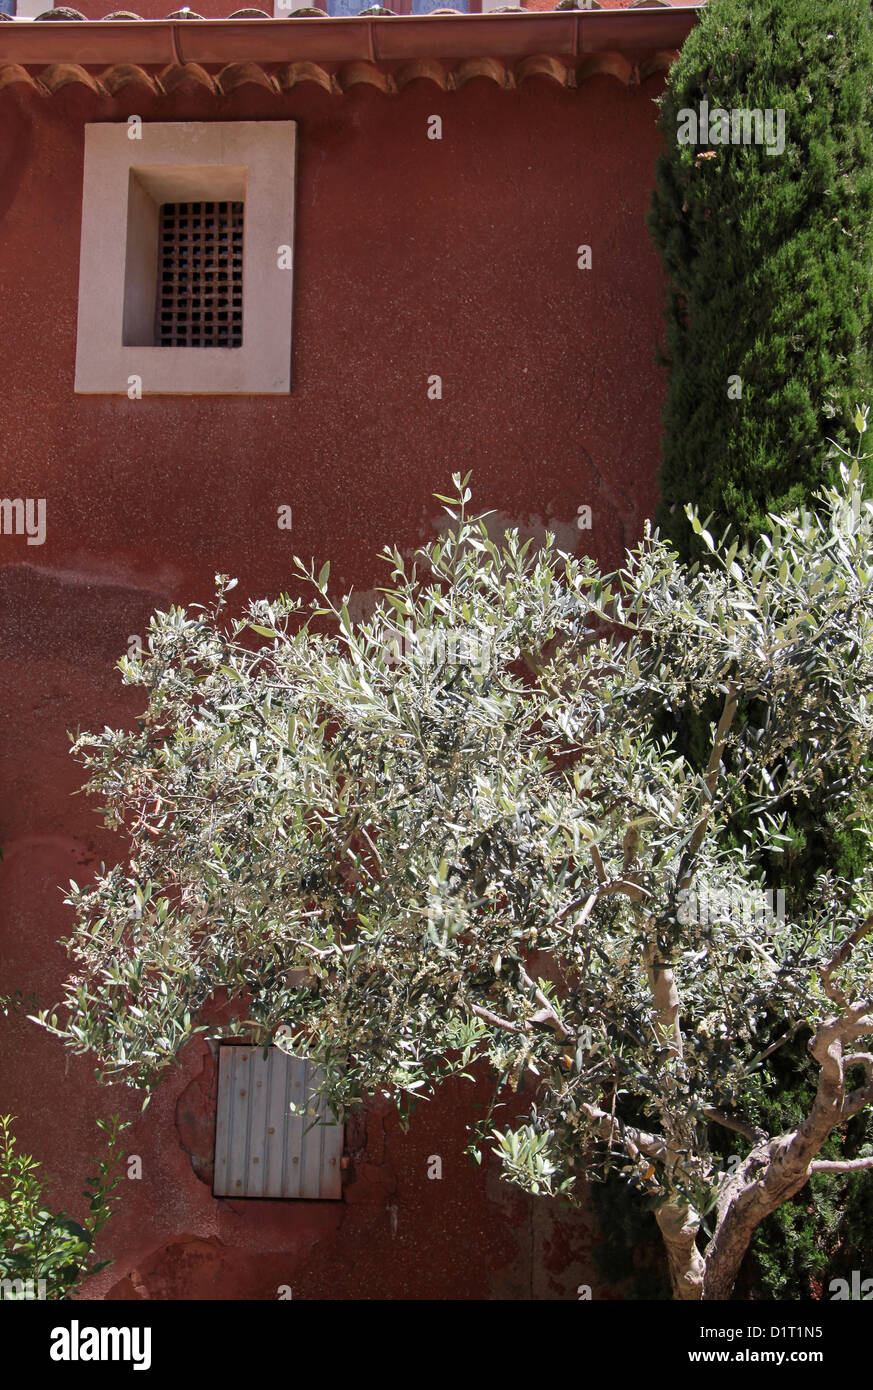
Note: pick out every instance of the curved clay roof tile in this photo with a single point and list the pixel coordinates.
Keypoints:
(293, 73)
(352, 73)
(311, 12)
(422, 68)
(237, 74)
(177, 76)
(121, 74)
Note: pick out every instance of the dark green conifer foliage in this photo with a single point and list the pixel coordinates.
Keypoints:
(769, 258)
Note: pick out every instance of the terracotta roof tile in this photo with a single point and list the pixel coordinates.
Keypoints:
(567, 45)
(65, 13)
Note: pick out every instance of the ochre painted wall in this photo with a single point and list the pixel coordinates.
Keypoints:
(413, 257)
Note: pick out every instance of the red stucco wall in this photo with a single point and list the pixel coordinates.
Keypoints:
(413, 257)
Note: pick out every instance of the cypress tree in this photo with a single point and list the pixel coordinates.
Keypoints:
(769, 263)
(768, 256)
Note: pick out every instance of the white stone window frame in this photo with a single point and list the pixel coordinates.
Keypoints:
(124, 182)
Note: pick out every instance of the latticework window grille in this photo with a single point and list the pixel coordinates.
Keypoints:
(200, 275)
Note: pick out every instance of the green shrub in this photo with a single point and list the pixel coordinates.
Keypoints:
(39, 1245)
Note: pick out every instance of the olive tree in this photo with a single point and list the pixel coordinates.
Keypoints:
(450, 836)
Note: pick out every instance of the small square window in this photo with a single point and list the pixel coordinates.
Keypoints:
(262, 1148)
(190, 217)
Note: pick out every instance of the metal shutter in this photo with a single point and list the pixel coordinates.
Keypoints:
(261, 1149)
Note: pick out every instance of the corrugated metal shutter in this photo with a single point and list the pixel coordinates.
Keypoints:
(260, 1146)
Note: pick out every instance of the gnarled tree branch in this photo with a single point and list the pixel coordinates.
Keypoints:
(844, 1165)
(739, 1126)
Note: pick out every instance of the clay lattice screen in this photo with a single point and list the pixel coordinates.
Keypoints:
(200, 266)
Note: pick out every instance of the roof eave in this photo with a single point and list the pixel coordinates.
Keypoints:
(375, 39)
